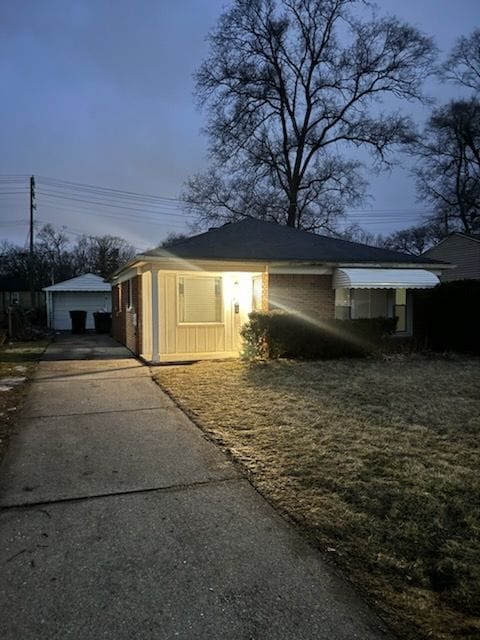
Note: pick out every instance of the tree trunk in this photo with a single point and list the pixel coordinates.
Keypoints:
(292, 215)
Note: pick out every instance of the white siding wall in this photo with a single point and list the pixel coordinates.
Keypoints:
(189, 341)
(89, 301)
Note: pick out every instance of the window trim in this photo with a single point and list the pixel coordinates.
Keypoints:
(343, 307)
(129, 302)
(391, 311)
(214, 323)
(257, 281)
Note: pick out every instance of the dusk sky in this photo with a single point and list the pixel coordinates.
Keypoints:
(99, 92)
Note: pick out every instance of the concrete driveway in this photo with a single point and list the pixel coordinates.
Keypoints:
(120, 520)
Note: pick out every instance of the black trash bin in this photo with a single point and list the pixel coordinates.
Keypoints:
(79, 320)
(103, 321)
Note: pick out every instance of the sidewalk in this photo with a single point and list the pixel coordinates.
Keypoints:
(120, 520)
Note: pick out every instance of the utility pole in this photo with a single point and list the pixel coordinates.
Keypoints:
(33, 206)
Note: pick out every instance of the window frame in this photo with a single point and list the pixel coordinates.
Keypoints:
(179, 296)
(392, 307)
(257, 295)
(129, 301)
(346, 307)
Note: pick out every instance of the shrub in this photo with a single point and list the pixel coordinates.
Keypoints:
(278, 334)
(451, 316)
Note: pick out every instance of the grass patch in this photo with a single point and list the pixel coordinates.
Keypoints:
(17, 360)
(376, 461)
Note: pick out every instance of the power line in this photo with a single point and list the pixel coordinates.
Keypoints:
(133, 206)
(125, 217)
(116, 193)
(110, 190)
(151, 215)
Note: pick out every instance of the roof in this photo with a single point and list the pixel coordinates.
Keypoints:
(252, 239)
(474, 237)
(384, 279)
(469, 236)
(85, 282)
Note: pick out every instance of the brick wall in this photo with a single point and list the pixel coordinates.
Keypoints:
(311, 295)
(127, 321)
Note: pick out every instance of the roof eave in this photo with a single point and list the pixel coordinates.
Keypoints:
(142, 259)
(395, 265)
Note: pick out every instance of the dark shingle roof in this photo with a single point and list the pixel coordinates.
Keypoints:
(252, 239)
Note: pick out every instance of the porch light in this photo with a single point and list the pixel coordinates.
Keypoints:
(236, 293)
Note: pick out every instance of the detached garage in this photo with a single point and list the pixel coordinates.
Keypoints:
(88, 293)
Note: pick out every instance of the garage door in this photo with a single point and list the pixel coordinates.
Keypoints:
(65, 301)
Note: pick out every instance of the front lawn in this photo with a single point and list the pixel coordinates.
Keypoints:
(378, 463)
(17, 363)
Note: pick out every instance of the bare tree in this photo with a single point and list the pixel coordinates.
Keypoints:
(448, 171)
(463, 64)
(56, 259)
(448, 149)
(102, 254)
(52, 255)
(288, 86)
(414, 240)
(172, 238)
(354, 233)
(52, 259)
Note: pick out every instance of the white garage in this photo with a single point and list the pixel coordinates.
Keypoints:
(88, 293)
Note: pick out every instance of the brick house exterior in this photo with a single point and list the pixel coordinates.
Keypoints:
(311, 295)
(190, 301)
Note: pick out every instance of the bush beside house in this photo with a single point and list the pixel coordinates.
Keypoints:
(277, 334)
(447, 316)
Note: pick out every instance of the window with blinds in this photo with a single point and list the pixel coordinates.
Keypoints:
(199, 299)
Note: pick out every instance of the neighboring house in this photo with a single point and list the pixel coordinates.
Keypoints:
(463, 251)
(16, 292)
(189, 301)
(87, 292)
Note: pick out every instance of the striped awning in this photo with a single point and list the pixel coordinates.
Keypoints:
(351, 278)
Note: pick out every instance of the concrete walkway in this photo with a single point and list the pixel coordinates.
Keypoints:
(120, 520)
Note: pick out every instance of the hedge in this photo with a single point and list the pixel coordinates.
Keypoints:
(449, 317)
(276, 334)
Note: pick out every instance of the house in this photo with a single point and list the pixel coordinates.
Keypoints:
(463, 251)
(87, 292)
(15, 292)
(190, 300)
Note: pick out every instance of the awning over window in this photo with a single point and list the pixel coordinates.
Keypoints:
(384, 279)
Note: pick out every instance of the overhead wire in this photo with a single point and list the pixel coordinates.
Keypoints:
(132, 206)
(75, 208)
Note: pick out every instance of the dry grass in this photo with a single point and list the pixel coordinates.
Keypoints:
(378, 463)
(17, 360)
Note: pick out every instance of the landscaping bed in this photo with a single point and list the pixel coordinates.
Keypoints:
(17, 363)
(377, 462)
